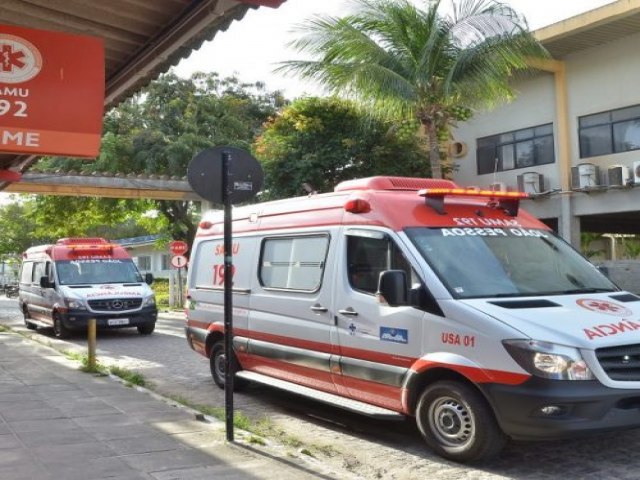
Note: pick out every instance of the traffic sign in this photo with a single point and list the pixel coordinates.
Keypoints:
(178, 247)
(179, 261)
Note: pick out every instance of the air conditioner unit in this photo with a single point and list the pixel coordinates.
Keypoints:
(458, 149)
(498, 187)
(636, 172)
(584, 175)
(618, 175)
(531, 182)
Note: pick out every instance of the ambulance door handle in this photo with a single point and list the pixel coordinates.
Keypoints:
(350, 312)
(318, 308)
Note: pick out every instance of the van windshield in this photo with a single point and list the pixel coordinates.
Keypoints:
(83, 272)
(506, 262)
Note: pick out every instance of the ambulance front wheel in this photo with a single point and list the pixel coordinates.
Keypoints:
(456, 421)
(217, 362)
(59, 329)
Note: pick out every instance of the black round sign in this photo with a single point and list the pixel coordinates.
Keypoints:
(206, 169)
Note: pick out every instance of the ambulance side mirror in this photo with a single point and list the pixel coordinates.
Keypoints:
(392, 287)
(148, 278)
(46, 283)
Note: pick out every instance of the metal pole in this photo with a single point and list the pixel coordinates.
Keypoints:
(91, 341)
(228, 298)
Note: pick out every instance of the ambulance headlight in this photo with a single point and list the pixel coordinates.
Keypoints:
(74, 304)
(548, 360)
(149, 301)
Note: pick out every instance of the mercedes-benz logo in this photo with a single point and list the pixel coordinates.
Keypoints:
(117, 304)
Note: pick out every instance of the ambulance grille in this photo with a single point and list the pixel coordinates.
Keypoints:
(620, 363)
(115, 304)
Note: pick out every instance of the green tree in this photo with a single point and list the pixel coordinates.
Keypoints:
(323, 141)
(19, 227)
(405, 62)
(159, 131)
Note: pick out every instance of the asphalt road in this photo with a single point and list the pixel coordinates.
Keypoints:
(371, 449)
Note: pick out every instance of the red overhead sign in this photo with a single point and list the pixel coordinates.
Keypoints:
(51, 92)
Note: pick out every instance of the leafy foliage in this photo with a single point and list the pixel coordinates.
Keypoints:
(323, 141)
(158, 132)
(405, 62)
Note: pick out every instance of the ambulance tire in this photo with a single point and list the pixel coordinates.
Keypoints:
(457, 422)
(27, 323)
(59, 329)
(217, 364)
(146, 329)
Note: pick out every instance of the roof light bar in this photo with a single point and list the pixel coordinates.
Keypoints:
(469, 192)
(507, 201)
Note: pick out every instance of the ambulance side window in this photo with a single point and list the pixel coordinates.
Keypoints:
(369, 256)
(26, 273)
(39, 271)
(293, 263)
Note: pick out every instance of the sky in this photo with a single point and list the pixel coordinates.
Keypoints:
(252, 47)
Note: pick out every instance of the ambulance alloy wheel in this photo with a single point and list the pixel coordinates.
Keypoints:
(217, 364)
(58, 328)
(456, 421)
(27, 323)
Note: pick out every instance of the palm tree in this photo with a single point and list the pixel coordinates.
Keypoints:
(409, 63)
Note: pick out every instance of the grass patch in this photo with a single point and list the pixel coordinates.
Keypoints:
(3, 328)
(129, 376)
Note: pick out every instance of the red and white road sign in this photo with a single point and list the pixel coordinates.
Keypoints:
(179, 261)
(178, 247)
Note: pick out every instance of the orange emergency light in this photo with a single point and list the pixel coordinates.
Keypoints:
(508, 201)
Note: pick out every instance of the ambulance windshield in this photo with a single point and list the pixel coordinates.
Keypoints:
(86, 272)
(506, 262)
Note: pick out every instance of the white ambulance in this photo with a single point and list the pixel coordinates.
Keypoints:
(64, 284)
(401, 297)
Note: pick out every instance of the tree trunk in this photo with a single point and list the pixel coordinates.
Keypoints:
(434, 151)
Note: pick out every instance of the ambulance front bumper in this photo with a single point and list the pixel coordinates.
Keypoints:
(78, 319)
(551, 409)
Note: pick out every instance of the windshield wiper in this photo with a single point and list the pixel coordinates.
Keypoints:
(588, 290)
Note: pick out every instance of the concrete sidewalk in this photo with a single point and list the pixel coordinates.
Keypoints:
(58, 423)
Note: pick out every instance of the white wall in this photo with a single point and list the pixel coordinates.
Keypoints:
(598, 79)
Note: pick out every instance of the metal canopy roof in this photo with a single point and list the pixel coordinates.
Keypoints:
(142, 38)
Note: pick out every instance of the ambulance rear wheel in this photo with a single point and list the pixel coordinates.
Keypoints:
(457, 422)
(59, 329)
(217, 362)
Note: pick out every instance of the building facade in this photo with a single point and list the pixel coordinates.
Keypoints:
(147, 256)
(571, 137)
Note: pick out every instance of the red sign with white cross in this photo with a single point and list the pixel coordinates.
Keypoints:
(51, 92)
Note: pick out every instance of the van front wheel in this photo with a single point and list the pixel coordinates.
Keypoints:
(27, 319)
(456, 421)
(217, 362)
(59, 329)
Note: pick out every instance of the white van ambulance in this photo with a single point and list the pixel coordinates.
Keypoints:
(413, 297)
(64, 284)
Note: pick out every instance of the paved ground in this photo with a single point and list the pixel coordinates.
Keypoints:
(345, 443)
(58, 423)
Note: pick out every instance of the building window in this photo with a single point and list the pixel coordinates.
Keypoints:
(293, 263)
(517, 149)
(609, 132)
(165, 262)
(144, 263)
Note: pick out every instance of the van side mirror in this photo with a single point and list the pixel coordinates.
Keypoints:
(148, 278)
(392, 287)
(46, 283)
